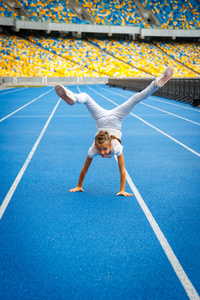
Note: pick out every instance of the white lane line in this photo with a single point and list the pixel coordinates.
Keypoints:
(24, 167)
(167, 135)
(13, 91)
(185, 281)
(24, 106)
(167, 112)
(79, 89)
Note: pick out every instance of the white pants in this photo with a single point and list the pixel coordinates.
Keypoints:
(112, 119)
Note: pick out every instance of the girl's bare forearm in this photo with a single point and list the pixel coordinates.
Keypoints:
(81, 177)
(122, 180)
(84, 171)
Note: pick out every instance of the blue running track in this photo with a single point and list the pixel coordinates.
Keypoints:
(93, 245)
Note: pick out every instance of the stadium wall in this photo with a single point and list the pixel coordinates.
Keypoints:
(48, 81)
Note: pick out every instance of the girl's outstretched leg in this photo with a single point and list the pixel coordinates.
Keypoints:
(96, 111)
(126, 108)
(123, 110)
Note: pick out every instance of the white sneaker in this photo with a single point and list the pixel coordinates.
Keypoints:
(164, 77)
(65, 94)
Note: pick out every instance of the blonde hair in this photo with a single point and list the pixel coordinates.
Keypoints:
(102, 137)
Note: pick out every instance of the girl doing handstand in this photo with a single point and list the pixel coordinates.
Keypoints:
(107, 141)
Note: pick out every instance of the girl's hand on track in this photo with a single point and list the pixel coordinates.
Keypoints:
(125, 194)
(76, 189)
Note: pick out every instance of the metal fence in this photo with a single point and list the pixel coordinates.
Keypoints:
(179, 89)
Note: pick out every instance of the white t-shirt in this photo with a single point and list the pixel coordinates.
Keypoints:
(116, 149)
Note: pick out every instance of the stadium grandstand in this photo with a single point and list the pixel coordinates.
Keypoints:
(96, 40)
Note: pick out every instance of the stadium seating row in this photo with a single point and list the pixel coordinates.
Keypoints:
(186, 53)
(114, 12)
(171, 14)
(6, 11)
(50, 11)
(40, 56)
(175, 14)
(19, 57)
(144, 56)
(82, 53)
(45, 11)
